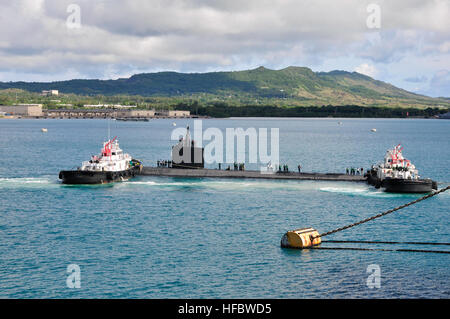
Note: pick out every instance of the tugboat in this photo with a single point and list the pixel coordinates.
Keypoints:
(398, 175)
(110, 166)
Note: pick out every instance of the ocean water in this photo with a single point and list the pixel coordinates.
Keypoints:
(156, 237)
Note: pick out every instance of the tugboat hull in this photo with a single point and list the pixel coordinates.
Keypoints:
(373, 179)
(397, 185)
(92, 177)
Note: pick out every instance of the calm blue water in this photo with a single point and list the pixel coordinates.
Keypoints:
(212, 238)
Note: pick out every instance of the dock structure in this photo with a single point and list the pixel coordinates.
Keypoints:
(115, 112)
(215, 173)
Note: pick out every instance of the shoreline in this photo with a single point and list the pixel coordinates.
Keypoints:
(131, 119)
(202, 117)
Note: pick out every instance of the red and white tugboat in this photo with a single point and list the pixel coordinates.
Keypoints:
(110, 166)
(398, 175)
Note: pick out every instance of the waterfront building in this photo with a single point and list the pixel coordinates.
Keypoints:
(174, 113)
(99, 113)
(110, 106)
(33, 110)
(135, 113)
(50, 93)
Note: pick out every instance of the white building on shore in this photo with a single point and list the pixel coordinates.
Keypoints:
(32, 110)
(109, 106)
(173, 113)
(50, 93)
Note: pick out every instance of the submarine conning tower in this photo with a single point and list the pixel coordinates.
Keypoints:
(186, 155)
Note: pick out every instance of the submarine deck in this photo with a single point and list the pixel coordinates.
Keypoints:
(215, 173)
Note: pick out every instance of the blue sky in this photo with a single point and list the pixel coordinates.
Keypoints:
(403, 42)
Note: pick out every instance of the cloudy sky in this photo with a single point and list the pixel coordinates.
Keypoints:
(407, 44)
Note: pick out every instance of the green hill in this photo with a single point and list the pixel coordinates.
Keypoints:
(296, 86)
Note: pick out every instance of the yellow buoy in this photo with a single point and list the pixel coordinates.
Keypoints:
(301, 238)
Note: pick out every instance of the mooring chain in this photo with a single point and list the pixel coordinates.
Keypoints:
(380, 249)
(384, 213)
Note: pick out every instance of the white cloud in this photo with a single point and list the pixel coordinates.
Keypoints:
(440, 83)
(366, 69)
(120, 36)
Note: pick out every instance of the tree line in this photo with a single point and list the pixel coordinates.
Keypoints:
(221, 110)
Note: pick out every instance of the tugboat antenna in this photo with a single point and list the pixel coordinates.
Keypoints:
(109, 131)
